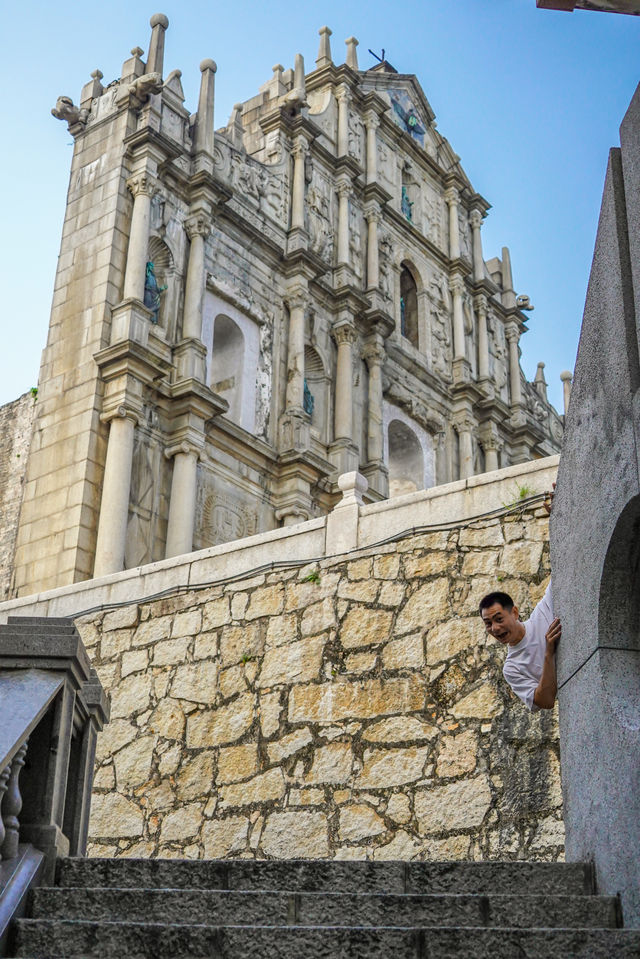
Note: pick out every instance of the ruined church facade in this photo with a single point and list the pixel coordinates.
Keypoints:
(240, 317)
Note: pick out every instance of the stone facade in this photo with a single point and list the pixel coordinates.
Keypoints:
(16, 426)
(318, 303)
(350, 708)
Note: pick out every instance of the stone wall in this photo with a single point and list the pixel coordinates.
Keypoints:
(350, 708)
(16, 427)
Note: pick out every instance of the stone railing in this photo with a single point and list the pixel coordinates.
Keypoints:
(52, 707)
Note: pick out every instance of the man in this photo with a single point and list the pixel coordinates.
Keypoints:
(530, 666)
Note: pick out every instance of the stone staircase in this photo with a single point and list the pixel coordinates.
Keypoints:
(343, 910)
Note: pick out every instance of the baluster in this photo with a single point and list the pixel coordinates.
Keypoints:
(4, 779)
(11, 807)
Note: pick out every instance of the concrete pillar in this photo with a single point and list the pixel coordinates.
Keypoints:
(453, 198)
(374, 355)
(142, 187)
(352, 53)
(324, 50)
(155, 59)
(342, 97)
(456, 285)
(344, 192)
(297, 200)
(512, 334)
(116, 485)
(297, 302)
(478, 260)
(182, 505)
(197, 227)
(203, 142)
(345, 336)
(373, 217)
(372, 122)
(567, 379)
(480, 304)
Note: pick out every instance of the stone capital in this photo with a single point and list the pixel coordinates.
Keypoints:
(475, 219)
(371, 120)
(490, 438)
(300, 148)
(512, 332)
(142, 183)
(373, 352)
(452, 196)
(342, 94)
(464, 422)
(481, 303)
(344, 187)
(187, 448)
(297, 297)
(456, 285)
(120, 412)
(344, 332)
(197, 224)
(372, 213)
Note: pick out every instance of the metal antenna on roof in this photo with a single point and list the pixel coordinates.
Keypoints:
(379, 59)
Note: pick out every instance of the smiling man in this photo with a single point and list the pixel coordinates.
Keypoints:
(530, 666)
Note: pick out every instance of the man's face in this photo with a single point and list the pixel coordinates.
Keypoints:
(503, 624)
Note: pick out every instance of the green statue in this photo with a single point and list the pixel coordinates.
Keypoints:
(152, 292)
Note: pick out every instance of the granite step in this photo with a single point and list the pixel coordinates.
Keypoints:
(257, 908)
(474, 878)
(56, 938)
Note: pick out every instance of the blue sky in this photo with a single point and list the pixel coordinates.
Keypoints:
(531, 100)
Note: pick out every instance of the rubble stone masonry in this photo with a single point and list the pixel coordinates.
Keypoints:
(352, 708)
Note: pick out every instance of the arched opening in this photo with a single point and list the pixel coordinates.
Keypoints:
(406, 460)
(315, 392)
(158, 295)
(408, 306)
(227, 364)
(619, 618)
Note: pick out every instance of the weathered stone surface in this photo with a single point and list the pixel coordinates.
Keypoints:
(114, 816)
(457, 755)
(359, 822)
(296, 835)
(181, 824)
(361, 662)
(282, 630)
(480, 703)
(318, 617)
(195, 683)
(360, 591)
(405, 653)
(133, 763)
(386, 567)
(399, 808)
(240, 643)
(331, 764)
(364, 627)
(392, 767)
(216, 613)
(270, 711)
(268, 601)
(329, 702)
(289, 745)
(114, 736)
(399, 729)
(262, 788)
(521, 557)
(428, 564)
(188, 623)
(489, 535)
(391, 594)
(170, 652)
(120, 618)
(403, 847)
(223, 837)
(237, 762)
(218, 726)
(448, 639)
(195, 778)
(152, 631)
(134, 661)
(131, 696)
(459, 805)
(297, 662)
(426, 606)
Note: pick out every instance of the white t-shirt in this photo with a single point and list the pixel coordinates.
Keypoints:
(523, 666)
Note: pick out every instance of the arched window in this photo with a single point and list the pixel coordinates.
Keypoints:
(406, 460)
(316, 392)
(408, 306)
(227, 365)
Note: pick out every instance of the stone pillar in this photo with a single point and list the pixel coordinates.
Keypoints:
(345, 336)
(198, 227)
(456, 285)
(116, 486)
(203, 141)
(155, 58)
(491, 444)
(453, 198)
(324, 50)
(182, 505)
(567, 379)
(540, 383)
(374, 355)
(352, 53)
(296, 300)
(512, 334)
(480, 304)
(373, 217)
(344, 192)
(372, 122)
(342, 97)
(142, 187)
(342, 521)
(464, 428)
(297, 199)
(478, 260)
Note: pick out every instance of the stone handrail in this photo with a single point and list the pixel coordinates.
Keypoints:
(52, 707)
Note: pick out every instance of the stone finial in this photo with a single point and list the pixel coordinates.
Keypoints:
(567, 380)
(235, 127)
(353, 485)
(203, 140)
(92, 89)
(352, 53)
(155, 60)
(539, 381)
(324, 50)
(133, 67)
(508, 293)
(297, 97)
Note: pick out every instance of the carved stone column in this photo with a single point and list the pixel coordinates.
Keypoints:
(478, 261)
(344, 192)
(297, 198)
(198, 228)
(296, 299)
(142, 186)
(374, 355)
(373, 217)
(480, 304)
(464, 425)
(456, 286)
(182, 505)
(491, 444)
(513, 335)
(352, 53)
(372, 122)
(453, 198)
(345, 336)
(342, 97)
(155, 57)
(203, 140)
(116, 487)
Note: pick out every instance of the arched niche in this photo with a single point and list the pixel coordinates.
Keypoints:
(161, 256)
(227, 364)
(316, 393)
(619, 619)
(406, 459)
(408, 305)
(233, 348)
